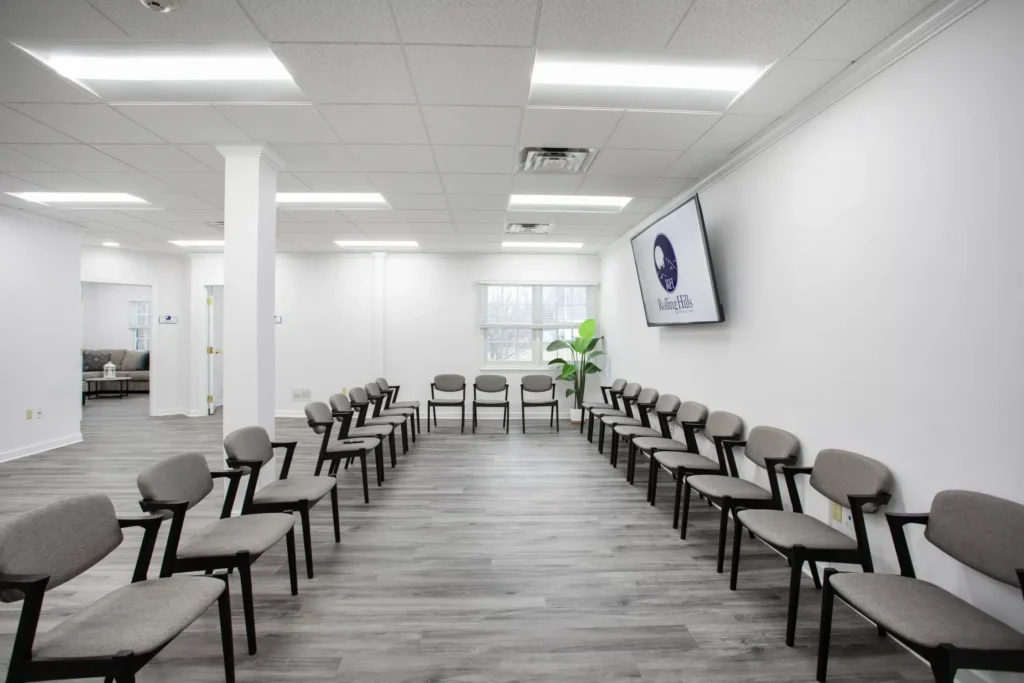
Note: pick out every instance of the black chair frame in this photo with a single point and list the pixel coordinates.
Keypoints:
(690, 430)
(335, 458)
(506, 410)
(607, 399)
(377, 404)
(446, 403)
(612, 396)
(627, 408)
(380, 404)
(644, 410)
(552, 405)
(391, 396)
(664, 422)
(360, 410)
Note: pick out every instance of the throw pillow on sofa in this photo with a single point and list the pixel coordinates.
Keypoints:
(93, 361)
(132, 360)
(144, 363)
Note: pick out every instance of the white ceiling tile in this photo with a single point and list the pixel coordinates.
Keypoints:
(417, 201)
(293, 228)
(88, 122)
(184, 123)
(311, 216)
(634, 162)
(696, 164)
(546, 183)
(477, 183)
(628, 219)
(289, 182)
(653, 203)
(587, 230)
(55, 20)
(192, 182)
(430, 228)
(371, 216)
(609, 24)
(730, 132)
(469, 217)
(472, 125)
(60, 182)
(409, 183)
(16, 127)
(629, 186)
(150, 215)
(326, 21)
(287, 123)
(555, 127)
(72, 157)
(660, 130)
(752, 28)
(393, 158)
(336, 182)
(370, 123)
(470, 75)
(153, 158)
(130, 182)
(466, 22)
(479, 202)
(390, 229)
(178, 201)
(474, 159)
(857, 27)
(785, 86)
(424, 215)
(494, 228)
(558, 217)
(23, 79)
(12, 184)
(373, 74)
(316, 157)
(221, 21)
(201, 215)
(207, 154)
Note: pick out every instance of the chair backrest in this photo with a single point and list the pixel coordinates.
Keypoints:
(618, 385)
(647, 397)
(631, 390)
(249, 443)
(724, 425)
(357, 395)
(667, 404)
(770, 442)
(340, 403)
(449, 382)
(838, 474)
(178, 478)
(319, 412)
(491, 384)
(979, 530)
(383, 384)
(691, 411)
(373, 391)
(62, 539)
(537, 383)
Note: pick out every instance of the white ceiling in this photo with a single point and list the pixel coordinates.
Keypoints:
(424, 101)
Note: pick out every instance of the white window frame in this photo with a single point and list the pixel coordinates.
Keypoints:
(140, 320)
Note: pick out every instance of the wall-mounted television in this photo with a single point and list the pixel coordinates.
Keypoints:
(673, 264)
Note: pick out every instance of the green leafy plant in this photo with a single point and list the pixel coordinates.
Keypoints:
(583, 350)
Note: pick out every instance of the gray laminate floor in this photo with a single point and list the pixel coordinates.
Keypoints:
(485, 558)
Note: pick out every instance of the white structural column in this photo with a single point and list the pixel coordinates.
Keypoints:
(377, 357)
(250, 227)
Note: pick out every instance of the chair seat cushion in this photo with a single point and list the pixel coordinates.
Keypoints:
(353, 445)
(719, 486)
(254, 533)
(138, 618)
(398, 411)
(616, 420)
(588, 405)
(384, 420)
(601, 412)
(294, 489)
(446, 401)
(690, 461)
(635, 430)
(540, 402)
(784, 529)
(405, 404)
(923, 613)
(372, 430)
(659, 443)
(490, 401)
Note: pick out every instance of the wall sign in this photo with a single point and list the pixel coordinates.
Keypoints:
(168, 320)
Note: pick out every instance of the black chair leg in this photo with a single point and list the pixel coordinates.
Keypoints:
(686, 510)
(334, 508)
(419, 423)
(650, 476)
(679, 497)
(391, 445)
(795, 574)
(614, 459)
(825, 630)
(723, 533)
(523, 410)
(590, 427)
(558, 419)
(654, 483)
(600, 437)
(405, 440)
(551, 417)
(463, 427)
(366, 483)
(245, 579)
(226, 636)
(474, 418)
(734, 569)
(379, 452)
(293, 570)
(814, 575)
(428, 419)
(582, 420)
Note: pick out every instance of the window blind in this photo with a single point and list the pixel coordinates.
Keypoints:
(536, 305)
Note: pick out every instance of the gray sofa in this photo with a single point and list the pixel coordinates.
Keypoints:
(126, 363)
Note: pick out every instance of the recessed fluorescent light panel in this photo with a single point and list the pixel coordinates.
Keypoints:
(674, 83)
(567, 203)
(326, 200)
(80, 199)
(135, 72)
(198, 243)
(111, 244)
(541, 245)
(376, 244)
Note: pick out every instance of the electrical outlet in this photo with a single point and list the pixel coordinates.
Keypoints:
(39, 414)
(28, 413)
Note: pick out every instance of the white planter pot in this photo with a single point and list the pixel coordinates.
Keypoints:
(575, 415)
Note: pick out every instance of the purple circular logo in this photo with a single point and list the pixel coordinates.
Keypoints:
(665, 263)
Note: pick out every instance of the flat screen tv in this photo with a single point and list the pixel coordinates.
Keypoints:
(673, 264)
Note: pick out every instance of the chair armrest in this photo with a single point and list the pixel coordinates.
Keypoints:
(340, 413)
(23, 582)
(772, 465)
(235, 476)
(235, 473)
(289, 453)
(896, 521)
(144, 521)
(284, 444)
(312, 423)
(151, 523)
(904, 518)
(733, 443)
(789, 473)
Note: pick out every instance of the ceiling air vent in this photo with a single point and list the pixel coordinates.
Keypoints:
(219, 225)
(529, 228)
(555, 159)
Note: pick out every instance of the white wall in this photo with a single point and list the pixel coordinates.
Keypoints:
(106, 314)
(431, 319)
(166, 276)
(871, 266)
(41, 343)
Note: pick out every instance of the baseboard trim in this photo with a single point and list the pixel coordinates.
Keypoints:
(168, 412)
(41, 447)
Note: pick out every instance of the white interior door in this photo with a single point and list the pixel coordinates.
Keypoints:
(214, 347)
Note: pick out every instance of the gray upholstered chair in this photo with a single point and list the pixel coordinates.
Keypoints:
(981, 531)
(689, 417)
(491, 384)
(447, 384)
(610, 394)
(343, 411)
(539, 384)
(321, 421)
(364, 407)
(846, 478)
(251, 447)
(766, 447)
(664, 409)
(391, 391)
(641, 407)
(176, 484)
(408, 415)
(115, 636)
(625, 398)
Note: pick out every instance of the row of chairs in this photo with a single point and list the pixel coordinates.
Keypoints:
(495, 395)
(117, 635)
(981, 531)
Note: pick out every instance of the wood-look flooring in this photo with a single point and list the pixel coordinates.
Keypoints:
(484, 558)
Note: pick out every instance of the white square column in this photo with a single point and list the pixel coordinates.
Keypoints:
(250, 230)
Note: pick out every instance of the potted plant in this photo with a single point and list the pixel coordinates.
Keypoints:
(583, 351)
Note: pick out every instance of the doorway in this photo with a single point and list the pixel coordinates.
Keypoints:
(215, 347)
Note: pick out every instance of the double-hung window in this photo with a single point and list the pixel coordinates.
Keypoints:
(520, 320)
(139, 324)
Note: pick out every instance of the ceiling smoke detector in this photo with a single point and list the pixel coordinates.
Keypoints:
(529, 228)
(161, 6)
(555, 159)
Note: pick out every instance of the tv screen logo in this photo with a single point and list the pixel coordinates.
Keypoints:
(665, 263)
